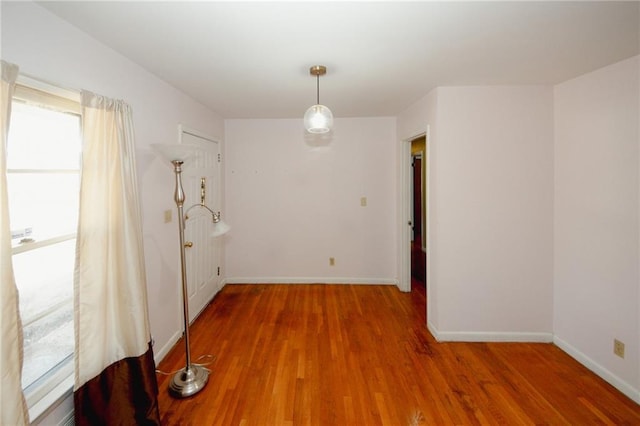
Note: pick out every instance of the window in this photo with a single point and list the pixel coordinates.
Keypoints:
(43, 176)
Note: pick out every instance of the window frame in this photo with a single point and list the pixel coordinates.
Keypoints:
(56, 384)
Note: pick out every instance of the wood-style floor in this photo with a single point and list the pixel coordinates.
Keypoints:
(361, 355)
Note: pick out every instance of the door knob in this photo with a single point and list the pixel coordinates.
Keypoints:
(188, 244)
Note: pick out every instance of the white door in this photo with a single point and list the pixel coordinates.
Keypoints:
(201, 176)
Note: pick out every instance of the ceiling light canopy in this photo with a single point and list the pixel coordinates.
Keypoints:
(318, 118)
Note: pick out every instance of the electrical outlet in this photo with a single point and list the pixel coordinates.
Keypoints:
(332, 261)
(363, 201)
(618, 348)
(167, 216)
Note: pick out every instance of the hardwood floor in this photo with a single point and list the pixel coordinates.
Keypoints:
(361, 355)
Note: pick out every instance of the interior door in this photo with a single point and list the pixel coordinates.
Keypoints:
(418, 256)
(417, 198)
(201, 179)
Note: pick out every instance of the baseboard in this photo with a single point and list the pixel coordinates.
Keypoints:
(490, 336)
(433, 330)
(598, 369)
(158, 355)
(605, 374)
(310, 280)
(162, 352)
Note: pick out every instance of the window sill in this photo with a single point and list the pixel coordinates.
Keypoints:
(51, 400)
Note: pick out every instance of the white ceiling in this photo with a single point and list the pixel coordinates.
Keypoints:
(251, 60)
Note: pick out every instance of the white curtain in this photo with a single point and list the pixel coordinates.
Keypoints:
(13, 409)
(111, 314)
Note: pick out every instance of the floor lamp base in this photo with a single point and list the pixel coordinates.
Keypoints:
(187, 382)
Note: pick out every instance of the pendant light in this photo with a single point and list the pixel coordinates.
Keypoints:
(318, 118)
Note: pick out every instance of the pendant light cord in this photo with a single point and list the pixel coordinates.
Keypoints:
(318, 89)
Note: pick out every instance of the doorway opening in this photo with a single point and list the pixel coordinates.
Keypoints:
(415, 199)
(418, 211)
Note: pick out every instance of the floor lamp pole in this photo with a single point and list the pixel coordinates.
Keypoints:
(192, 378)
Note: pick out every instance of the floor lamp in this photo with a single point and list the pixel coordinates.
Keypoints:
(193, 377)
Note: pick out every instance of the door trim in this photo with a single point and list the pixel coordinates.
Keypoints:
(405, 215)
(212, 203)
(185, 129)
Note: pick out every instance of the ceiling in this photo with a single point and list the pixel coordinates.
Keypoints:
(251, 60)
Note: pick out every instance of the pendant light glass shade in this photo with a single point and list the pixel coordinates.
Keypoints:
(318, 119)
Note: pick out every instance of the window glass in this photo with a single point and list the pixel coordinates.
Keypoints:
(43, 176)
(43, 138)
(45, 280)
(43, 204)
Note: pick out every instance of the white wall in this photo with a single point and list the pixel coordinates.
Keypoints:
(48, 48)
(596, 221)
(493, 207)
(413, 121)
(294, 202)
(491, 211)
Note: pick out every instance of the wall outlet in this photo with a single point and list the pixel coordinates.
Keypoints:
(168, 216)
(363, 201)
(618, 348)
(332, 261)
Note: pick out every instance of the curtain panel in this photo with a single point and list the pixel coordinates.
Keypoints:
(115, 380)
(13, 408)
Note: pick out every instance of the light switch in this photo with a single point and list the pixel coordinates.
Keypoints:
(363, 201)
(167, 216)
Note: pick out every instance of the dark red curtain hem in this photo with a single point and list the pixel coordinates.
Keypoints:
(125, 393)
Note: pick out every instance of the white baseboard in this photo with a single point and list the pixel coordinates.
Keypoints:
(471, 336)
(489, 336)
(432, 330)
(309, 280)
(158, 355)
(598, 369)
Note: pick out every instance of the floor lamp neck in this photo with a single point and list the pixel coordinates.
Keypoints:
(178, 195)
(179, 198)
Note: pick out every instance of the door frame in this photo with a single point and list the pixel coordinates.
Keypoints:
(183, 130)
(406, 199)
